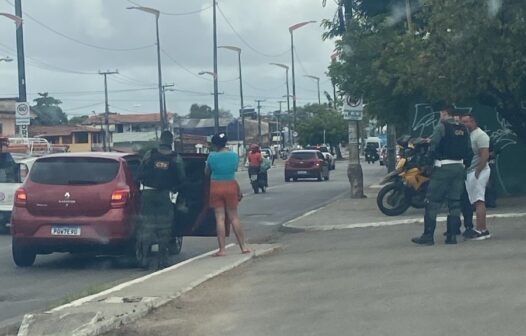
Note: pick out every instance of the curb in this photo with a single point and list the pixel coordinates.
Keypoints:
(100, 323)
(290, 224)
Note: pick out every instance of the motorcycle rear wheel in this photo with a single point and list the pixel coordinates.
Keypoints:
(392, 195)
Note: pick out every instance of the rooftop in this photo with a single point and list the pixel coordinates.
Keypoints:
(141, 118)
(60, 130)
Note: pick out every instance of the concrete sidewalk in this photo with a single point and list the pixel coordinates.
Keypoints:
(127, 302)
(363, 282)
(358, 213)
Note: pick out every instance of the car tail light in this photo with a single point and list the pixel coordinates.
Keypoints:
(21, 198)
(119, 198)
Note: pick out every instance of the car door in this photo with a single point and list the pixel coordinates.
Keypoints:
(193, 215)
(324, 164)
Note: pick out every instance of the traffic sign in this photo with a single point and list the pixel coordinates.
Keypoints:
(23, 115)
(353, 109)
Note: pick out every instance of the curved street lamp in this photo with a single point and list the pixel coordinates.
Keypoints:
(157, 13)
(286, 67)
(17, 19)
(291, 31)
(317, 79)
(238, 50)
(6, 59)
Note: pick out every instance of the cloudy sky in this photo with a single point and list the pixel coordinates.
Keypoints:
(68, 41)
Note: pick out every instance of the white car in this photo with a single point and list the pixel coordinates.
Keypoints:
(8, 186)
(326, 154)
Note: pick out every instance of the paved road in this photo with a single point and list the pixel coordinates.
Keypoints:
(57, 277)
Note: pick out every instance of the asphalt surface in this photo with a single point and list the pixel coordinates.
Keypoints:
(363, 281)
(56, 278)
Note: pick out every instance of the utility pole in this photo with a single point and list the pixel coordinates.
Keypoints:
(165, 124)
(259, 101)
(280, 123)
(216, 89)
(22, 94)
(107, 109)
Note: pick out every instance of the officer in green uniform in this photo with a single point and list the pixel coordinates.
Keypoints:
(449, 147)
(161, 172)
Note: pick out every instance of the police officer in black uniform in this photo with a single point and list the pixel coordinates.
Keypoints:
(449, 146)
(161, 172)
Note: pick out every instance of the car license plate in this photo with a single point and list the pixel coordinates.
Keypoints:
(302, 172)
(65, 230)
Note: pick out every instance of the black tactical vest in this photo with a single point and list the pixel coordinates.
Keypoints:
(159, 171)
(456, 143)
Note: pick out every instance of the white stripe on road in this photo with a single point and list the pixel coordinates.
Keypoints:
(380, 224)
(79, 302)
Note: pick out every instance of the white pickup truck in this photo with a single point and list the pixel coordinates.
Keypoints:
(11, 178)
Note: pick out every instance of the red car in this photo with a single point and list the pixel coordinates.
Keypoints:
(76, 203)
(307, 164)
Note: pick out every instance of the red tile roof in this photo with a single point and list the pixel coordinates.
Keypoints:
(127, 118)
(60, 130)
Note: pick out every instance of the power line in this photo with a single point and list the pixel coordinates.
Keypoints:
(86, 44)
(46, 66)
(245, 42)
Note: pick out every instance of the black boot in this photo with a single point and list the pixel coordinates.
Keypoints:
(429, 230)
(453, 228)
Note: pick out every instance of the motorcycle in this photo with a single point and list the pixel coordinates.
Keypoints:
(256, 180)
(371, 157)
(406, 186)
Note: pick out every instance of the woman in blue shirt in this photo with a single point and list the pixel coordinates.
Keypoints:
(225, 193)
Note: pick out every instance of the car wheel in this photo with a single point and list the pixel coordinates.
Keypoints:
(295, 179)
(176, 245)
(23, 256)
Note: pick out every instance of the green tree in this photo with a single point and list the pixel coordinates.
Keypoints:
(48, 111)
(78, 120)
(198, 111)
(453, 51)
(314, 119)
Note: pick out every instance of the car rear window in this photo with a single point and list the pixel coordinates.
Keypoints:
(74, 171)
(303, 155)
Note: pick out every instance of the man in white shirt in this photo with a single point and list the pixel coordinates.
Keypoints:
(478, 176)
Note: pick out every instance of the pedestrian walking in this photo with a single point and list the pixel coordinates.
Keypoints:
(478, 176)
(449, 147)
(225, 193)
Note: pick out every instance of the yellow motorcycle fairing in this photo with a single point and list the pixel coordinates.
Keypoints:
(414, 178)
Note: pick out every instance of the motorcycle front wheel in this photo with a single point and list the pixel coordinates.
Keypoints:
(392, 201)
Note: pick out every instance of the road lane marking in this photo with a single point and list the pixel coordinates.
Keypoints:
(290, 224)
(121, 286)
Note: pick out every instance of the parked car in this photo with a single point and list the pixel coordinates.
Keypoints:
(306, 164)
(76, 203)
(326, 153)
(9, 183)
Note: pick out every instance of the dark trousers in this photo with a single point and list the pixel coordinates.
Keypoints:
(446, 185)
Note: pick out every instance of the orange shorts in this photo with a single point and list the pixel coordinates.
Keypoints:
(224, 194)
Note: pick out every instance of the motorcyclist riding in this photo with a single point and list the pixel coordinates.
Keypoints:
(161, 172)
(255, 158)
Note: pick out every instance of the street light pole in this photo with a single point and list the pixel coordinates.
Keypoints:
(159, 68)
(317, 79)
(288, 93)
(259, 101)
(216, 89)
(107, 109)
(291, 30)
(242, 115)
